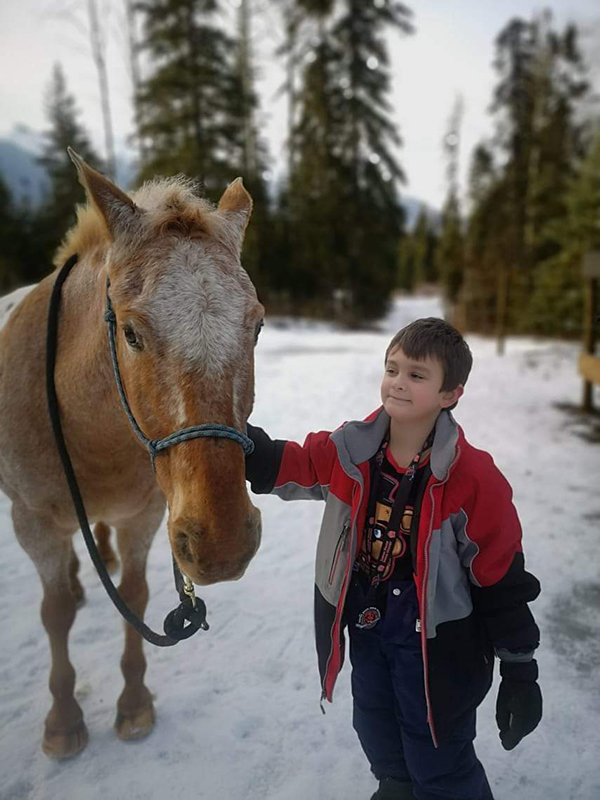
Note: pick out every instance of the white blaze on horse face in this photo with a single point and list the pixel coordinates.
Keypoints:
(178, 403)
(199, 309)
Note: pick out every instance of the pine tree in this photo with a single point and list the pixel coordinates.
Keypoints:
(21, 245)
(519, 206)
(344, 190)
(368, 142)
(9, 236)
(485, 244)
(424, 243)
(541, 81)
(312, 199)
(407, 263)
(557, 303)
(429, 271)
(192, 107)
(260, 242)
(450, 252)
(57, 212)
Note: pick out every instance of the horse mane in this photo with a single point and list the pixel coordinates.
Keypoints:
(171, 206)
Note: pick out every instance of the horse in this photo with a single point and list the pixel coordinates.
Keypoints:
(187, 321)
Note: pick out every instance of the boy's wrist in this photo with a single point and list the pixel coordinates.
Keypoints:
(521, 654)
(521, 671)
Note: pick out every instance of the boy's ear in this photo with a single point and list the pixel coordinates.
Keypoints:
(449, 398)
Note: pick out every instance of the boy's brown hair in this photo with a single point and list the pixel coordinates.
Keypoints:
(435, 338)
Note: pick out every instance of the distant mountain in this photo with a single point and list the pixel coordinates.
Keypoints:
(25, 177)
(413, 206)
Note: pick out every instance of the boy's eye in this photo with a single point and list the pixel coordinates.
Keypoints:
(416, 375)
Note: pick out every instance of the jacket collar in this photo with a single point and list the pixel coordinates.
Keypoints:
(358, 441)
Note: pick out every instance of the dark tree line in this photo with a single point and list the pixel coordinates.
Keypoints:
(530, 193)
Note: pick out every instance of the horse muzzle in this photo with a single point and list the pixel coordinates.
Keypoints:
(214, 554)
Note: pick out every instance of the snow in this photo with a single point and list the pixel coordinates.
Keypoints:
(238, 707)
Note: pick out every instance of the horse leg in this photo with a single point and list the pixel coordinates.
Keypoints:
(51, 551)
(107, 554)
(135, 708)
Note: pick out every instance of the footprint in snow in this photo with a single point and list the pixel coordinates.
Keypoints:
(244, 728)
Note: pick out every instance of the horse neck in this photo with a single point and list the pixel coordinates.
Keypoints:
(84, 367)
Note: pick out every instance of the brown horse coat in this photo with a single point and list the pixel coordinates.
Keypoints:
(187, 316)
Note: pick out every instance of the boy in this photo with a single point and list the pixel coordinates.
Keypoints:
(419, 555)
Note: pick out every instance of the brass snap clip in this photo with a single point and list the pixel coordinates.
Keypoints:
(188, 589)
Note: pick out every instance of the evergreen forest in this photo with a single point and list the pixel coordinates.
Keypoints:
(330, 238)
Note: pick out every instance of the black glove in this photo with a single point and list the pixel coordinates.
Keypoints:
(519, 703)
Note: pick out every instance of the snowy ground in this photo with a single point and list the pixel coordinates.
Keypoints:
(238, 711)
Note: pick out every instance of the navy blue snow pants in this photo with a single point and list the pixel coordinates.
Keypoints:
(390, 712)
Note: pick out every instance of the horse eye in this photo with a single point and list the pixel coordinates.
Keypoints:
(131, 338)
(259, 327)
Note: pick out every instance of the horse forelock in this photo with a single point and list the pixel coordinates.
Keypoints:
(173, 206)
(170, 206)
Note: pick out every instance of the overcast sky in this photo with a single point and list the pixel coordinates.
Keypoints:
(450, 53)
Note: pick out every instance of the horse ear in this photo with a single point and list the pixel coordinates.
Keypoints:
(118, 210)
(236, 205)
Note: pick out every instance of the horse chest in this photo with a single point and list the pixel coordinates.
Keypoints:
(116, 488)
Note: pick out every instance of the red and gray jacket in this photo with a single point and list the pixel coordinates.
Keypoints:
(468, 563)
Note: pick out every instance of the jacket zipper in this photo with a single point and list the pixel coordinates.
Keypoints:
(424, 603)
(338, 549)
(342, 597)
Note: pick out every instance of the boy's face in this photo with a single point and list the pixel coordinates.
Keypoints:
(411, 390)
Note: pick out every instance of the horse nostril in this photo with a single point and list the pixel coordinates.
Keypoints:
(182, 546)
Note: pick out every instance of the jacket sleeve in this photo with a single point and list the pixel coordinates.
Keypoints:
(288, 469)
(491, 550)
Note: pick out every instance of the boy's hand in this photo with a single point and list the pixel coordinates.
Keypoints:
(519, 704)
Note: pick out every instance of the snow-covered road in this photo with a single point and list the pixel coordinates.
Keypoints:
(238, 707)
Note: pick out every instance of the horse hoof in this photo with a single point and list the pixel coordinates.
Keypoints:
(61, 745)
(136, 725)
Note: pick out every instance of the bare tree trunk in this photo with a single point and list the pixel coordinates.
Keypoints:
(451, 145)
(134, 65)
(291, 35)
(589, 340)
(196, 130)
(250, 165)
(98, 46)
(501, 306)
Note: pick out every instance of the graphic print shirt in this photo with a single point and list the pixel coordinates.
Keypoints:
(386, 478)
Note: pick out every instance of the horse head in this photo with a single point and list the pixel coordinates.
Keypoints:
(187, 322)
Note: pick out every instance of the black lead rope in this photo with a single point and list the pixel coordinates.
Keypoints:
(194, 612)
